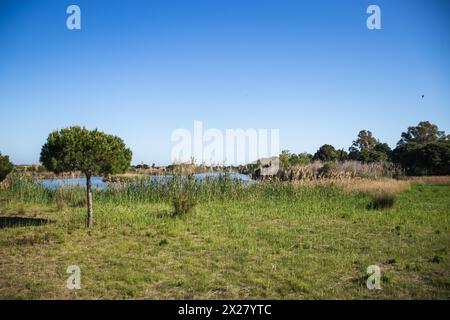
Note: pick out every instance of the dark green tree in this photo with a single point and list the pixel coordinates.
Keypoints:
(367, 148)
(384, 148)
(5, 167)
(424, 159)
(370, 156)
(423, 133)
(326, 153)
(343, 155)
(91, 152)
(365, 142)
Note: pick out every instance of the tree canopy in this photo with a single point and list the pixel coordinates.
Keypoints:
(423, 150)
(367, 148)
(424, 132)
(424, 159)
(365, 142)
(91, 152)
(327, 153)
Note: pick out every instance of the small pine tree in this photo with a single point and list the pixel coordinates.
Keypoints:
(91, 152)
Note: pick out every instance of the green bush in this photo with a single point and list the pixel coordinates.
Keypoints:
(183, 202)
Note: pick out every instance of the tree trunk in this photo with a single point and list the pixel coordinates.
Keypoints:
(90, 218)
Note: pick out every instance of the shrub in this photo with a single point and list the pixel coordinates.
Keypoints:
(288, 159)
(380, 202)
(183, 202)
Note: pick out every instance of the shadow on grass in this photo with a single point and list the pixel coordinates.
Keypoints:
(16, 222)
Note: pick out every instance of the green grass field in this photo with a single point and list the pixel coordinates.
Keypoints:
(283, 242)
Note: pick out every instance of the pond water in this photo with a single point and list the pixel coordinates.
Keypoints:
(98, 183)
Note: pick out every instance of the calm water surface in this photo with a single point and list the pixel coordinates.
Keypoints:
(98, 183)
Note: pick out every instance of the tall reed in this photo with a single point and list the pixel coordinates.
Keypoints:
(146, 190)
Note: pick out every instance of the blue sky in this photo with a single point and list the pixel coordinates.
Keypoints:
(141, 69)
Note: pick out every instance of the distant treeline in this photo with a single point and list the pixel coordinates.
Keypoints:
(422, 150)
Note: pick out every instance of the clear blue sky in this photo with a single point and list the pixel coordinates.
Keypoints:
(141, 69)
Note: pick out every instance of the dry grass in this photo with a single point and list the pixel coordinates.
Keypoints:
(340, 170)
(378, 186)
(383, 186)
(364, 186)
(440, 180)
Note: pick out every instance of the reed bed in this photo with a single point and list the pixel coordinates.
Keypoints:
(345, 170)
(182, 193)
(146, 190)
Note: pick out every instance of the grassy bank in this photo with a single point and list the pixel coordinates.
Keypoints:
(271, 240)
